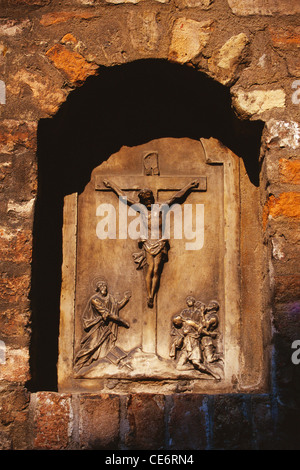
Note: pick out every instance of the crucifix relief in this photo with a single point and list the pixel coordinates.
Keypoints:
(158, 224)
(154, 239)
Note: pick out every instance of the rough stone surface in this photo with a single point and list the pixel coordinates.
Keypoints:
(250, 103)
(99, 422)
(264, 7)
(145, 416)
(16, 367)
(286, 205)
(17, 133)
(190, 410)
(189, 38)
(231, 413)
(144, 31)
(72, 64)
(52, 421)
(283, 134)
(225, 62)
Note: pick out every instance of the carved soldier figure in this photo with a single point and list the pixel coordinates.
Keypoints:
(187, 342)
(155, 249)
(100, 322)
(210, 324)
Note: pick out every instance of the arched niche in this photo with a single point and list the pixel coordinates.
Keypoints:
(131, 105)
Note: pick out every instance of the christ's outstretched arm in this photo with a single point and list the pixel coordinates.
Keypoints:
(176, 198)
(119, 192)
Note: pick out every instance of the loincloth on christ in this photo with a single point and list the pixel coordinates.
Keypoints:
(153, 247)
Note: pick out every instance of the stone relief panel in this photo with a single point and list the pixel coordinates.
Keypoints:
(150, 234)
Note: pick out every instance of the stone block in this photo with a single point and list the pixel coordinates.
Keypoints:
(264, 7)
(99, 421)
(232, 429)
(256, 102)
(282, 134)
(263, 424)
(146, 427)
(189, 38)
(187, 423)
(287, 430)
(53, 421)
(143, 31)
(225, 62)
(72, 64)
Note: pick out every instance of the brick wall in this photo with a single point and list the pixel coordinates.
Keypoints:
(48, 49)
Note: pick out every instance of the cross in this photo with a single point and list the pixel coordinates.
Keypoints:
(157, 184)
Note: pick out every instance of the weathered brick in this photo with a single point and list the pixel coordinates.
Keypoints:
(16, 367)
(72, 64)
(287, 429)
(15, 245)
(286, 205)
(288, 36)
(57, 17)
(53, 421)
(13, 405)
(263, 424)
(289, 171)
(99, 421)
(14, 289)
(14, 322)
(145, 414)
(17, 133)
(187, 425)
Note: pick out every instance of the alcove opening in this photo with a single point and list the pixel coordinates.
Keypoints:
(124, 105)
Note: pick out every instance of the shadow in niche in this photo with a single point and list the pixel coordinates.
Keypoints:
(125, 105)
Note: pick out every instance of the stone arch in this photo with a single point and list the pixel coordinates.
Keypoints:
(121, 105)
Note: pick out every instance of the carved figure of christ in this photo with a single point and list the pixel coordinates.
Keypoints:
(154, 243)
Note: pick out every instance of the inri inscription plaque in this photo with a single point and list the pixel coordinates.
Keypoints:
(151, 293)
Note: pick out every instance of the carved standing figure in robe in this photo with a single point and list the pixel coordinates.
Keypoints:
(100, 322)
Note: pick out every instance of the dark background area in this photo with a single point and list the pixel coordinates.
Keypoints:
(124, 105)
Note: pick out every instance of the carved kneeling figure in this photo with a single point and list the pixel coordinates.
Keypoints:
(188, 343)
